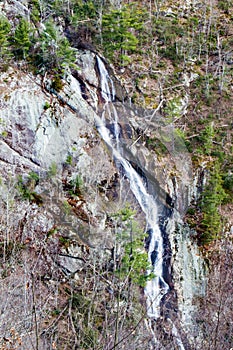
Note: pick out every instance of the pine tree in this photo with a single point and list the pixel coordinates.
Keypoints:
(119, 31)
(4, 31)
(133, 259)
(22, 40)
(65, 54)
(4, 43)
(35, 14)
(53, 52)
(212, 198)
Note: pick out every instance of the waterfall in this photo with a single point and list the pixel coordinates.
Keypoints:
(157, 287)
(108, 94)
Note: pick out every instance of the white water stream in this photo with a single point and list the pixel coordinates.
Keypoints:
(156, 288)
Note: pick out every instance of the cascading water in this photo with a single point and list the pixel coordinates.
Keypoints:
(108, 94)
(157, 287)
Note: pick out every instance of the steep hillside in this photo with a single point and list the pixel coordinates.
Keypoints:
(74, 237)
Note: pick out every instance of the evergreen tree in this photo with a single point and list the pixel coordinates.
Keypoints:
(84, 10)
(53, 52)
(119, 31)
(4, 43)
(4, 31)
(22, 40)
(207, 138)
(133, 262)
(34, 7)
(212, 198)
(65, 54)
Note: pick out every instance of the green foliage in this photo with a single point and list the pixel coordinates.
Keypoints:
(47, 105)
(224, 5)
(52, 170)
(52, 52)
(156, 145)
(26, 188)
(65, 55)
(207, 138)
(34, 177)
(65, 242)
(4, 133)
(119, 31)
(125, 214)
(173, 109)
(22, 188)
(75, 186)
(51, 232)
(191, 211)
(212, 198)
(83, 11)
(4, 31)
(57, 83)
(4, 42)
(69, 159)
(22, 39)
(180, 134)
(228, 186)
(134, 262)
(34, 6)
(66, 208)
(168, 33)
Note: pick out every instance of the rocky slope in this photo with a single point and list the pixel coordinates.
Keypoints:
(60, 186)
(67, 209)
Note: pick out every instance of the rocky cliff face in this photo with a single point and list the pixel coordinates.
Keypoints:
(51, 149)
